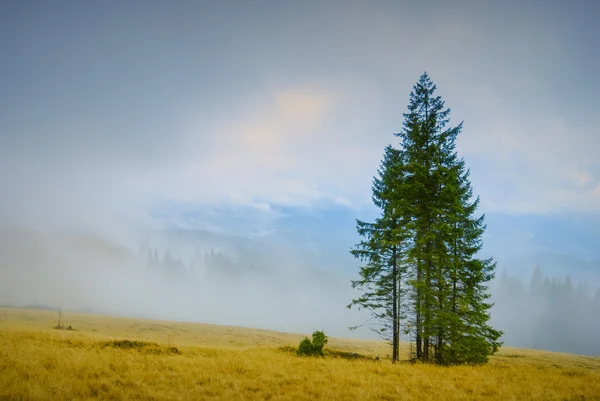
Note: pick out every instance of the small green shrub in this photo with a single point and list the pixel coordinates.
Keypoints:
(319, 341)
(305, 347)
(314, 348)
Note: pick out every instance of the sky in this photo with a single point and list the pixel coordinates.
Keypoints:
(266, 119)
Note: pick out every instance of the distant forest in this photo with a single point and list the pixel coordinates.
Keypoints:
(542, 313)
(547, 313)
(205, 263)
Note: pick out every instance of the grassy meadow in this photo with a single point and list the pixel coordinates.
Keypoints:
(118, 358)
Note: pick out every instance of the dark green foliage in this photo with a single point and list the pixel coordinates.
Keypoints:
(141, 346)
(128, 344)
(383, 277)
(305, 348)
(349, 355)
(468, 349)
(421, 254)
(319, 341)
(330, 353)
(314, 348)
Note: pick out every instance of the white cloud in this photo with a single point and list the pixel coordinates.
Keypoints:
(529, 162)
(287, 150)
(304, 121)
(581, 178)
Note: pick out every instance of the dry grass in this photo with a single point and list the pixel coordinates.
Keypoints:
(166, 360)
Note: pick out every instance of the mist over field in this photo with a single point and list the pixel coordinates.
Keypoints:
(207, 163)
(282, 281)
(239, 282)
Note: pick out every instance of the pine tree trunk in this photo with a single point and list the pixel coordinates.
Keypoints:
(440, 322)
(427, 218)
(399, 306)
(454, 327)
(419, 328)
(429, 302)
(394, 306)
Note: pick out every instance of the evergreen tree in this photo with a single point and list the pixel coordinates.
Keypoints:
(383, 251)
(429, 235)
(468, 277)
(537, 281)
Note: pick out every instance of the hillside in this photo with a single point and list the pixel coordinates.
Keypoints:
(166, 360)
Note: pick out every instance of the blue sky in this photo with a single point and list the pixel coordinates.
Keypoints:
(270, 117)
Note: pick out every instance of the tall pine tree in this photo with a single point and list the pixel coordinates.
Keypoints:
(427, 238)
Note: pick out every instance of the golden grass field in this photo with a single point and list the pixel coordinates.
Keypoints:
(38, 362)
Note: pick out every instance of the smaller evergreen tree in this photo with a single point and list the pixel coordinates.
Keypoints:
(382, 250)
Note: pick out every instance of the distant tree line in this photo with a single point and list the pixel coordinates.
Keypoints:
(548, 313)
(421, 276)
(167, 263)
(208, 262)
